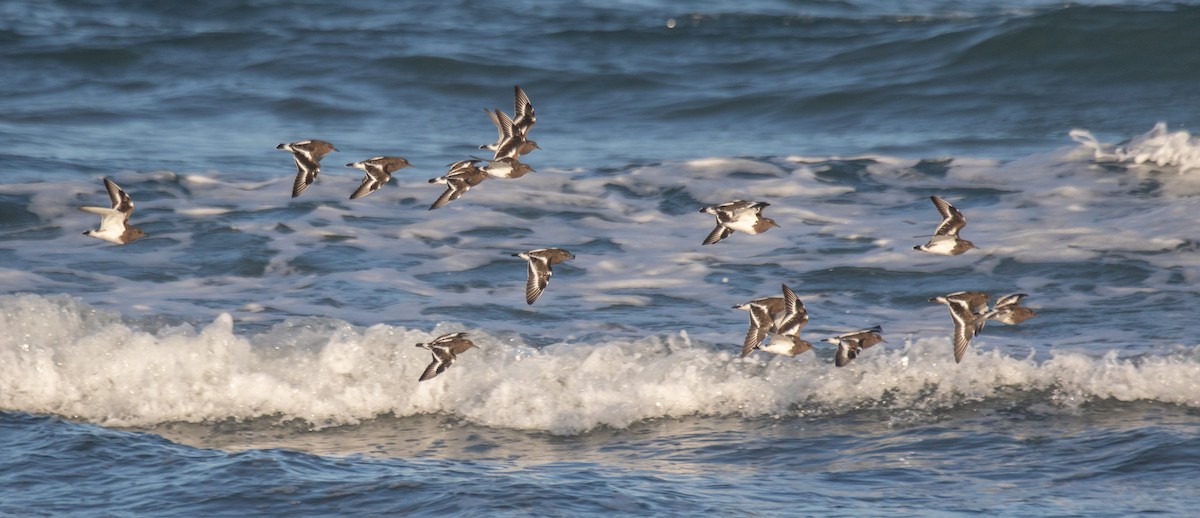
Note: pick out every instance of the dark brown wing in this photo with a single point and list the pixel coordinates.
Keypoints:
(1010, 300)
(435, 367)
(368, 186)
(442, 360)
(523, 116)
(538, 278)
(952, 220)
(795, 316)
(454, 190)
(965, 327)
(306, 173)
(845, 353)
(760, 324)
(717, 234)
(754, 336)
(121, 202)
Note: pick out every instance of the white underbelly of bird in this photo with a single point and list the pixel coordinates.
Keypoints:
(943, 245)
(747, 222)
(781, 344)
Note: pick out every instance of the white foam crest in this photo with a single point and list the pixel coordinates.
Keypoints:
(617, 300)
(63, 357)
(709, 180)
(202, 211)
(1159, 146)
(892, 162)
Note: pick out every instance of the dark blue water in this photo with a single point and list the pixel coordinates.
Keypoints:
(207, 86)
(255, 353)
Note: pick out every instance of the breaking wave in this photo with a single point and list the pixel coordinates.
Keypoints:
(61, 356)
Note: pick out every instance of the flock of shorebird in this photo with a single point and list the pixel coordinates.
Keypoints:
(782, 318)
(775, 322)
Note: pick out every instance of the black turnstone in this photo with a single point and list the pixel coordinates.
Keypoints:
(1008, 310)
(966, 323)
(308, 155)
(540, 261)
(445, 349)
(740, 215)
(378, 172)
(463, 175)
(114, 222)
(851, 344)
(945, 240)
(781, 318)
(507, 168)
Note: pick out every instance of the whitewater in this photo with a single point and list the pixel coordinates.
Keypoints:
(256, 353)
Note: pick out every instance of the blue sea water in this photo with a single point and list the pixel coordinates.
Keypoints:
(255, 353)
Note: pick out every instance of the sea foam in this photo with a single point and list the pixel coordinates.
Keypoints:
(1159, 146)
(64, 357)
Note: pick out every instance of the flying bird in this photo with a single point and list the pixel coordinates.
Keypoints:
(308, 155)
(945, 240)
(540, 261)
(966, 323)
(781, 318)
(445, 349)
(510, 143)
(851, 344)
(523, 116)
(512, 139)
(463, 175)
(114, 222)
(740, 215)
(507, 168)
(1008, 310)
(378, 172)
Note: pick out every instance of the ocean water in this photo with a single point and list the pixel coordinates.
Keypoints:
(255, 354)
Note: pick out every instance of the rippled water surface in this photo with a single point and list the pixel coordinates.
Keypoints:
(255, 352)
